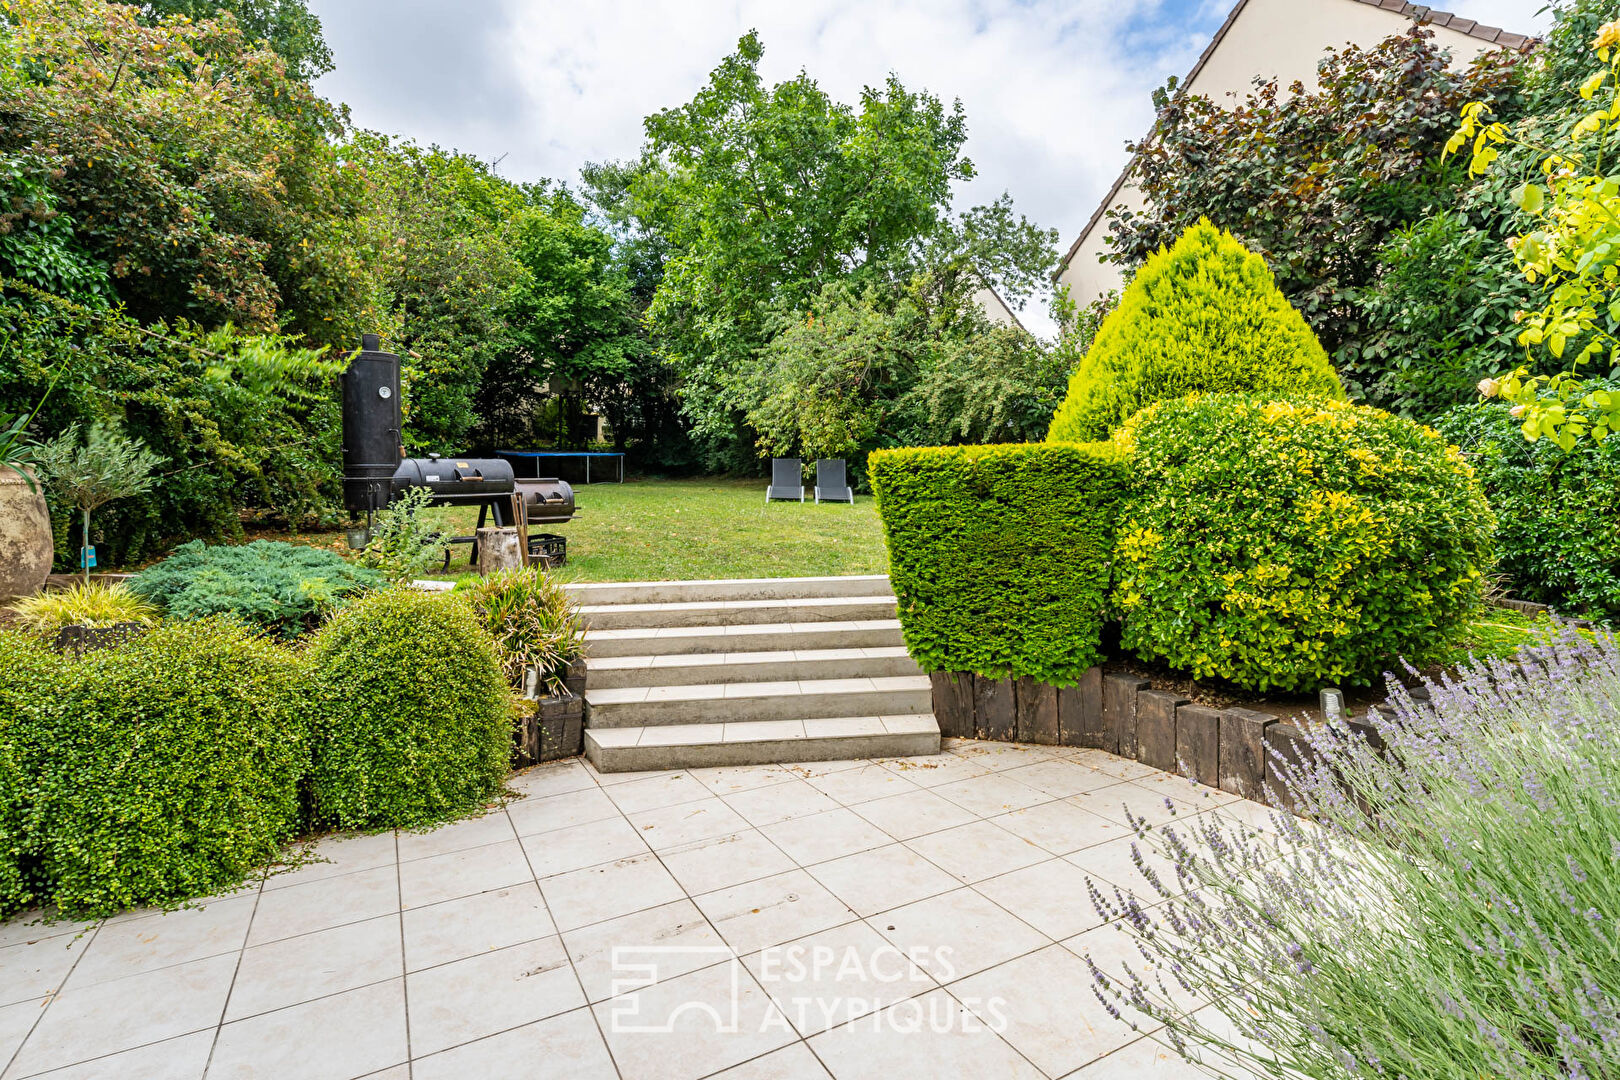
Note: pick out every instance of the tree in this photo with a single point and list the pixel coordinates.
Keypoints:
(766, 194)
(107, 465)
(288, 27)
(1203, 316)
(1315, 180)
(177, 162)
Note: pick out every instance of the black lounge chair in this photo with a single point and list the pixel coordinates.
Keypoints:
(787, 479)
(831, 483)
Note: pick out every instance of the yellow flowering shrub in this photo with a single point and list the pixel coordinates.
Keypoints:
(1294, 544)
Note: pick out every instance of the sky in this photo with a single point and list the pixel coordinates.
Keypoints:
(1052, 89)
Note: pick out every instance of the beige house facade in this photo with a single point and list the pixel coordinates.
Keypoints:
(1262, 39)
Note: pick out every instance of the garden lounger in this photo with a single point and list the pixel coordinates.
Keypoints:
(831, 483)
(787, 479)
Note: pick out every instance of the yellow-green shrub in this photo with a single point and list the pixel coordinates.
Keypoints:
(1202, 316)
(32, 679)
(171, 767)
(1292, 545)
(999, 554)
(89, 603)
(412, 716)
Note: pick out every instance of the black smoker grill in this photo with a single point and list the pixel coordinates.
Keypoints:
(376, 470)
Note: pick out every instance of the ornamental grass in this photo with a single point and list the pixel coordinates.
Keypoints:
(1447, 906)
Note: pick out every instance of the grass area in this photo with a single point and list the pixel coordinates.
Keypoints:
(659, 530)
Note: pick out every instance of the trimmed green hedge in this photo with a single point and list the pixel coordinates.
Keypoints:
(413, 717)
(1000, 554)
(1293, 545)
(1204, 315)
(32, 678)
(171, 767)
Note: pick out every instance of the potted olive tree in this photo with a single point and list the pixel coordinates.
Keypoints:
(87, 475)
(541, 647)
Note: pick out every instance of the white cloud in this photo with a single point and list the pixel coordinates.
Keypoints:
(1052, 89)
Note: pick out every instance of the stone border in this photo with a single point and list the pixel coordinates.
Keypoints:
(1235, 749)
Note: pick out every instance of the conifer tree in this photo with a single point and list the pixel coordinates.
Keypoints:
(1204, 315)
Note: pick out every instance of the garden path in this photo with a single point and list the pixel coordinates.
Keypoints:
(911, 917)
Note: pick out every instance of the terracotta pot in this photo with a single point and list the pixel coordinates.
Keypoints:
(25, 536)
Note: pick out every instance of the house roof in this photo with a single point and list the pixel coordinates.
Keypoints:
(1416, 12)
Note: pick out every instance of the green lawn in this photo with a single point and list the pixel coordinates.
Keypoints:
(659, 530)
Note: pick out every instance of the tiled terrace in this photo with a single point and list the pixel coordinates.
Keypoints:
(485, 949)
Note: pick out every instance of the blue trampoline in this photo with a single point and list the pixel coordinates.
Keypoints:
(531, 459)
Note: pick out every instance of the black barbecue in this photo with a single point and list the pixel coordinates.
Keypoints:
(376, 470)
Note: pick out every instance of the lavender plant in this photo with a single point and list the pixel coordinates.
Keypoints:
(1449, 905)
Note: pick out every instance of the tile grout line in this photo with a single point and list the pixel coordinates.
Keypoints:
(224, 1006)
(404, 961)
(50, 999)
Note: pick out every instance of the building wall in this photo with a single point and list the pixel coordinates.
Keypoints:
(1282, 38)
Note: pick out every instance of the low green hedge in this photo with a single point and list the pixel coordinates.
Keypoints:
(1000, 554)
(171, 768)
(1294, 545)
(412, 715)
(32, 678)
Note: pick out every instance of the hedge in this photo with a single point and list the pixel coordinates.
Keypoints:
(413, 719)
(1203, 316)
(1295, 545)
(999, 555)
(172, 767)
(32, 679)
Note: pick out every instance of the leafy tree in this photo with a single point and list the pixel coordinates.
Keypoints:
(87, 475)
(1315, 180)
(292, 31)
(1202, 316)
(185, 161)
(765, 195)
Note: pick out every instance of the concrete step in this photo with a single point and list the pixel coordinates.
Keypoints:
(612, 672)
(736, 612)
(682, 746)
(763, 637)
(675, 592)
(738, 702)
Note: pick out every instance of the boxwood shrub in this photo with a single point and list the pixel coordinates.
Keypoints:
(1557, 513)
(1293, 545)
(1203, 316)
(171, 768)
(32, 680)
(413, 717)
(999, 555)
(282, 588)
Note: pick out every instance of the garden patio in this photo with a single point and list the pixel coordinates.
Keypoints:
(486, 947)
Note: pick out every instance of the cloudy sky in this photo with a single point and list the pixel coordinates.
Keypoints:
(1052, 88)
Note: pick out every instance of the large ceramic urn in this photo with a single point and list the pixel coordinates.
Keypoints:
(25, 536)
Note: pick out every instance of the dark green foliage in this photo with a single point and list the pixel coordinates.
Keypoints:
(1557, 513)
(1000, 554)
(172, 767)
(413, 717)
(32, 680)
(1315, 180)
(283, 588)
(1202, 316)
(1294, 545)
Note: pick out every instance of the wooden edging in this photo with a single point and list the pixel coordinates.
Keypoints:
(1235, 750)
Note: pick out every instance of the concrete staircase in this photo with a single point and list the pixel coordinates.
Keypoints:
(687, 674)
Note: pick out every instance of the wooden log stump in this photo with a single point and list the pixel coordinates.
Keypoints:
(953, 703)
(1243, 752)
(1119, 713)
(1156, 728)
(1037, 712)
(995, 711)
(1291, 744)
(1198, 743)
(1080, 712)
(499, 548)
